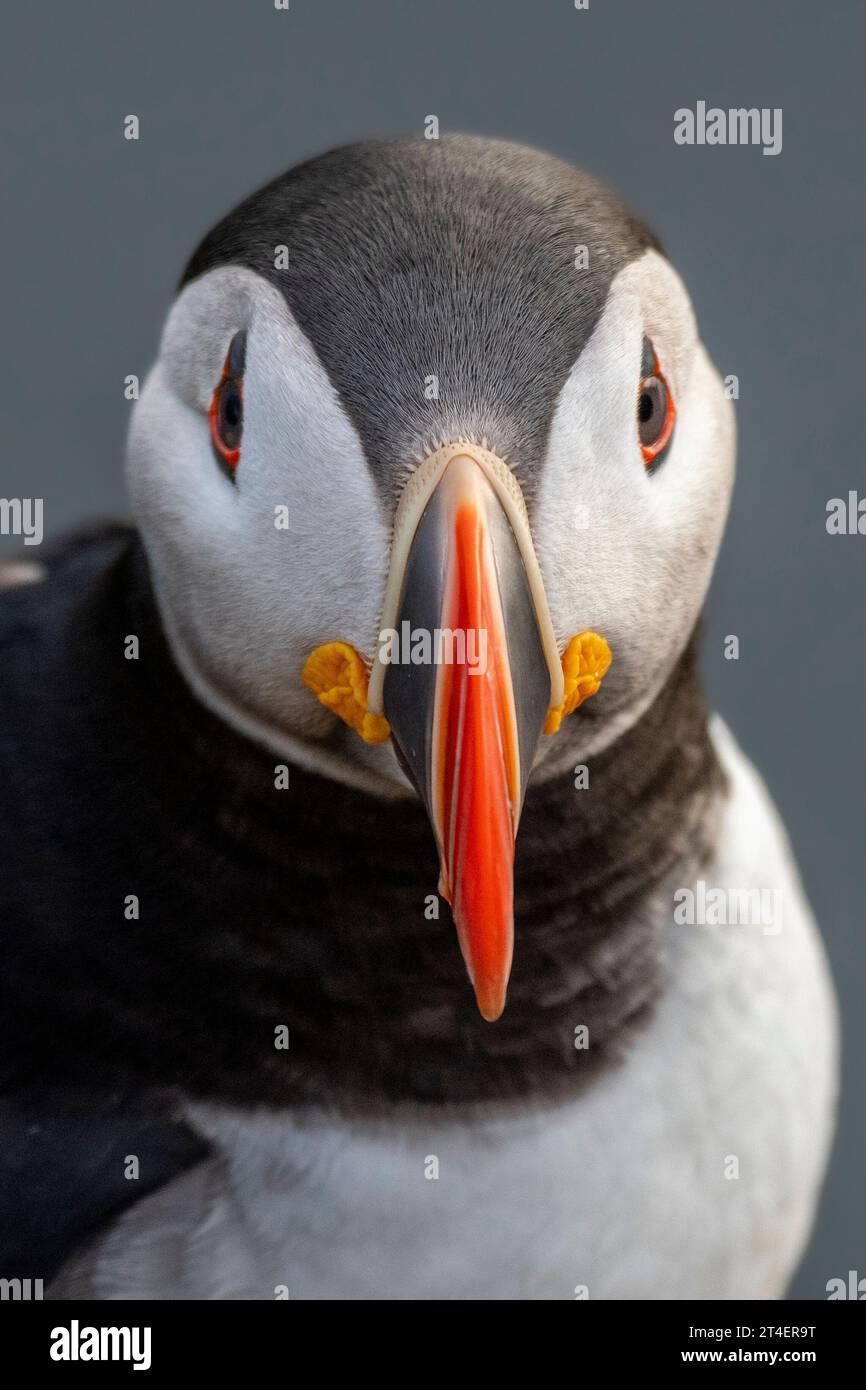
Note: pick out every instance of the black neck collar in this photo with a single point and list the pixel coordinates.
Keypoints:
(306, 907)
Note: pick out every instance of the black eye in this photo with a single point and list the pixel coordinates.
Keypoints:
(227, 406)
(652, 408)
(656, 413)
(230, 414)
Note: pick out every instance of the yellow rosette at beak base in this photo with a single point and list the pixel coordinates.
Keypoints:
(584, 665)
(338, 677)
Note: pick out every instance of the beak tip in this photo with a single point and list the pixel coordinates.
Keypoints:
(491, 1003)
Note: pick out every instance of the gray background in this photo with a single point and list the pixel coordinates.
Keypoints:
(96, 231)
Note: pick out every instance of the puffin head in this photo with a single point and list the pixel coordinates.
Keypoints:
(431, 434)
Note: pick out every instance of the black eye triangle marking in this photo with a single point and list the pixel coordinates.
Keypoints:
(648, 358)
(237, 354)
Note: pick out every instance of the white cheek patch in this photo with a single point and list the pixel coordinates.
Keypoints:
(304, 455)
(622, 553)
(245, 598)
(204, 318)
(667, 314)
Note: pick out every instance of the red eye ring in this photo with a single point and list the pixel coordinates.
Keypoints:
(652, 382)
(230, 456)
(226, 413)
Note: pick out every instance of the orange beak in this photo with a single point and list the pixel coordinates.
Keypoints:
(465, 677)
(475, 757)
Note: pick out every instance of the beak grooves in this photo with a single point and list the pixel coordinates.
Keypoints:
(416, 495)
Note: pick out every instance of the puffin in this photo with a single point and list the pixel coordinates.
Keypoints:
(385, 915)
